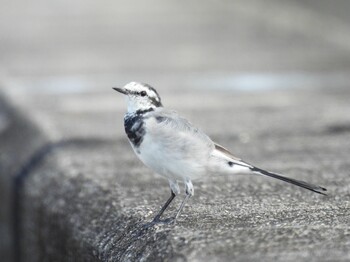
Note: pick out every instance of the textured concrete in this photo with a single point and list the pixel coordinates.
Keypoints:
(80, 193)
(19, 141)
(88, 198)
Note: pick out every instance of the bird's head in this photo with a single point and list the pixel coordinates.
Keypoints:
(140, 96)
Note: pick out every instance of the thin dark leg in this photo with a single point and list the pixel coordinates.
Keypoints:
(181, 206)
(167, 203)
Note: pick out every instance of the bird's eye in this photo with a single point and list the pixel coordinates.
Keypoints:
(143, 93)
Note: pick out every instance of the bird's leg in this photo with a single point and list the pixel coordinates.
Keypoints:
(167, 203)
(189, 193)
(174, 191)
(157, 219)
(181, 207)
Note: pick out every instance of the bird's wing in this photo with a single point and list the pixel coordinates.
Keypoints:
(226, 152)
(170, 128)
(223, 154)
(171, 120)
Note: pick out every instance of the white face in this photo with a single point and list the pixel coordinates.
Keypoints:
(140, 96)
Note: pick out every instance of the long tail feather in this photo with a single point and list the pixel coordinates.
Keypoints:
(311, 187)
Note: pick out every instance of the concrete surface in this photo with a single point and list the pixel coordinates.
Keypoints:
(88, 199)
(80, 194)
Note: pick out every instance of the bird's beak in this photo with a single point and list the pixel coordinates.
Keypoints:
(121, 90)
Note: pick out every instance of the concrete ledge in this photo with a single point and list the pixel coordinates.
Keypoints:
(87, 198)
(19, 141)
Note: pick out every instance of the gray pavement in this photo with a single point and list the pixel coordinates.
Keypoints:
(85, 196)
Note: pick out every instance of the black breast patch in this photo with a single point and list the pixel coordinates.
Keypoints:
(134, 128)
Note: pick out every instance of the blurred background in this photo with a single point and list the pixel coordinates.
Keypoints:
(65, 46)
(59, 60)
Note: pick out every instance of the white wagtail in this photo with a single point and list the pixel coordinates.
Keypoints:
(175, 149)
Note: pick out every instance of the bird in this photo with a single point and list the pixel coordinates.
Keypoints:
(174, 148)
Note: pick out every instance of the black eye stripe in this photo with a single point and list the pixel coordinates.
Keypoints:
(142, 93)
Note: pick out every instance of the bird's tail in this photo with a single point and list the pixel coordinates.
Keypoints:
(311, 187)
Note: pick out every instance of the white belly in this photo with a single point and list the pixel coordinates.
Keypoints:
(170, 162)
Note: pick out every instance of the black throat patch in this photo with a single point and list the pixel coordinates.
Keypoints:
(134, 126)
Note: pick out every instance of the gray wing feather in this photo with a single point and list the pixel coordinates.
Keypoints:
(226, 152)
(180, 130)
